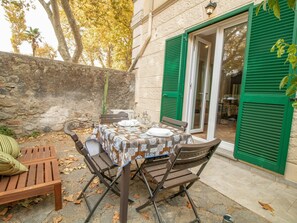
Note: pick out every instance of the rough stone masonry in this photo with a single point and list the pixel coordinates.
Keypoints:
(39, 94)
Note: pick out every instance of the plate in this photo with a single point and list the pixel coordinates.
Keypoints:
(129, 123)
(159, 132)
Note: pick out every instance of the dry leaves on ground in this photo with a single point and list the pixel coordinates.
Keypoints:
(7, 218)
(57, 219)
(116, 217)
(107, 206)
(136, 196)
(94, 183)
(3, 212)
(189, 205)
(145, 215)
(266, 206)
(69, 198)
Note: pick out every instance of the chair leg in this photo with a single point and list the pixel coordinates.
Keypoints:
(137, 171)
(85, 188)
(101, 198)
(157, 212)
(193, 205)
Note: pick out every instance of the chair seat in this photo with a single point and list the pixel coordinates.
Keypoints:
(175, 178)
(101, 160)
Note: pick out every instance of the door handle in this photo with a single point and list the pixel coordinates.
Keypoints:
(165, 95)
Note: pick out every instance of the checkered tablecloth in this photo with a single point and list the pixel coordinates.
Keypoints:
(124, 144)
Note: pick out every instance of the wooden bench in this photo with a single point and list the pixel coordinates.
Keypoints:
(41, 178)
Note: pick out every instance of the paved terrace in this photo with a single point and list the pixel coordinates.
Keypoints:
(211, 203)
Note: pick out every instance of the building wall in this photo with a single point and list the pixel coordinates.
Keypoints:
(168, 21)
(40, 95)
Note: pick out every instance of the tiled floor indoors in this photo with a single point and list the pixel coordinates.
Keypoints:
(248, 185)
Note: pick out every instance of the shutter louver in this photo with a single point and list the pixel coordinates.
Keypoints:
(265, 113)
(173, 79)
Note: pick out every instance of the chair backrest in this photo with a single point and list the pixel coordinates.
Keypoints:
(174, 123)
(80, 146)
(191, 155)
(111, 118)
(68, 130)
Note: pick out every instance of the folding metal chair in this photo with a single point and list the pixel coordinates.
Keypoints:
(174, 123)
(181, 125)
(175, 173)
(111, 118)
(98, 165)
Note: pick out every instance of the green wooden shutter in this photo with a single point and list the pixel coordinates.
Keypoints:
(174, 77)
(265, 114)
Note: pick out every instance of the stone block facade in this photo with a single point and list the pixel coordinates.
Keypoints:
(40, 95)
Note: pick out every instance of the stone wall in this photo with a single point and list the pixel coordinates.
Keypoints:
(40, 95)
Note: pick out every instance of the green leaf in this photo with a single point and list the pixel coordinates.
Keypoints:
(294, 104)
(276, 10)
(259, 8)
(291, 4)
(283, 82)
(291, 90)
(293, 79)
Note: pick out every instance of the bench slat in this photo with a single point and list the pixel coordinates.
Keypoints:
(40, 173)
(32, 175)
(56, 172)
(12, 182)
(22, 180)
(3, 183)
(48, 172)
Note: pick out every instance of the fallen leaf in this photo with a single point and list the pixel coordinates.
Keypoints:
(266, 206)
(37, 200)
(116, 217)
(57, 219)
(77, 201)
(108, 205)
(8, 217)
(145, 215)
(99, 191)
(189, 205)
(136, 196)
(3, 212)
(69, 198)
(25, 203)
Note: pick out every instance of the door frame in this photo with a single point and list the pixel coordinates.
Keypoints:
(193, 86)
(218, 28)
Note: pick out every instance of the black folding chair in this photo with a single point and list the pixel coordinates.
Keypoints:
(98, 165)
(181, 125)
(175, 173)
(111, 118)
(174, 123)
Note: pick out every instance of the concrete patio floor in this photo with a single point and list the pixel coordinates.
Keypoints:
(211, 203)
(248, 185)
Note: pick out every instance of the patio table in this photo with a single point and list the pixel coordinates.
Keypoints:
(125, 144)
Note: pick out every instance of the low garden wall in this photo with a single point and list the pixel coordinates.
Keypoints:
(38, 94)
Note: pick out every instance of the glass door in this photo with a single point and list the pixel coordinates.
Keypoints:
(200, 78)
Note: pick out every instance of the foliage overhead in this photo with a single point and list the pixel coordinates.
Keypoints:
(106, 31)
(46, 51)
(282, 48)
(15, 15)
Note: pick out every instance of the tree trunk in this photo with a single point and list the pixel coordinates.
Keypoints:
(75, 31)
(54, 17)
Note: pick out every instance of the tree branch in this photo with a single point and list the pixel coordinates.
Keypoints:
(75, 31)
